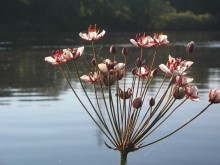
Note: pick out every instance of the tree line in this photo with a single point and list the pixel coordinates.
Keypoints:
(114, 15)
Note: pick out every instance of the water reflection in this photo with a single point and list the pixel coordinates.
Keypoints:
(36, 104)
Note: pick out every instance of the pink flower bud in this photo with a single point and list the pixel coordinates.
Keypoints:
(190, 47)
(178, 93)
(125, 51)
(152, 102)
(113, 50)
(93, 61)
(214, 96)
(137, 102)
(138, 63)
(134, 71)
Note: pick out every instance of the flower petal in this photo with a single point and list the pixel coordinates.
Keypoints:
(103, 68)
(119, 66)
(165, 69)
(80, 50)
(100, 35)
(85, 78)
(84, 36)
(134, 42)
(51, 60)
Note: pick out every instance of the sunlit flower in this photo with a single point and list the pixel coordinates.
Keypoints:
(110, 67)
(214, 96)
(175, 66)
(192, 92)
(117, 109)
(91, 77)
(56, 58)
(160, 39)
(171, 65)
(61, 56)
(183, 81)
(183, 67)
(73, 54)
(143, 41)
(93, 34)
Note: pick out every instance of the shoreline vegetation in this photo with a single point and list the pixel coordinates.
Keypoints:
(115, 15)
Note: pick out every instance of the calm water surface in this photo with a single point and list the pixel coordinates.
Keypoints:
(41, 123)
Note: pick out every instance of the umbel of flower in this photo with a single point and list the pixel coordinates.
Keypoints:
(93, 34)
(59, 57)
(124, 125)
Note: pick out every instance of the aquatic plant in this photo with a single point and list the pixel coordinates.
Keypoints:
(125, 113)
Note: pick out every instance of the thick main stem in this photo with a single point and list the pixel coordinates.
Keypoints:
(123, 158)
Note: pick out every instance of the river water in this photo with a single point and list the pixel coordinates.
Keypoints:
(41, 122)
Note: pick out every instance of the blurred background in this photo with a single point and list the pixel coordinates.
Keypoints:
(41, 122)
(114, 15)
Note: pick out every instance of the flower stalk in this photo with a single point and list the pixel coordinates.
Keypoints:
(123, 158)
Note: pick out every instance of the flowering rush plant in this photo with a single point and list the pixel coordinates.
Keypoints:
(124, 112)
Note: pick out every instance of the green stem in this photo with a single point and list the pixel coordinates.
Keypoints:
(123, 158)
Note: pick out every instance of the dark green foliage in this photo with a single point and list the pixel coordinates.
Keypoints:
(187, 21)
(114, 15)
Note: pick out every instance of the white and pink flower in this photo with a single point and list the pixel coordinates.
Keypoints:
(141, 72)
(175, 66)
(143, 41)
(214, 96)
(192, 93)
(91, 77)
(110, 67)
(160, 39)
(56, 58)
(183, 81)
(93, 34)
(59, 56)
(73, 54)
